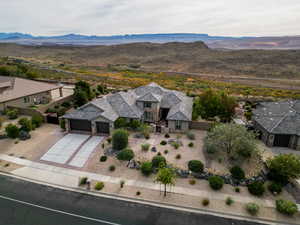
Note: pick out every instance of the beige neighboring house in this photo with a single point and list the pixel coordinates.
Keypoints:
(22, 93)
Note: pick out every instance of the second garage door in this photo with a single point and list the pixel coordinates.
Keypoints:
(80, 125)
(102, 127)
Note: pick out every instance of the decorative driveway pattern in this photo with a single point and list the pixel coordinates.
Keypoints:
(62, 150)
(85, 151)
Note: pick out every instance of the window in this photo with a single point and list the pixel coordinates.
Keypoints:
(26, 99)
(178, 125)
(148, 116)
(147, 104)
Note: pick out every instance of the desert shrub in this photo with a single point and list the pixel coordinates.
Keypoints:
(216, 182)
(134, 124)
(256, 188)
(145, 147)
(112, 168)
(12, 114)
(192, 181)
(275, 188)
(158, 153)
(120, 123)
(66, 104)
(122, 183)
(138, 193)
(163, 142)
(190, 135)
(99, 186)
(205, 202)
(62, 124)
(103, 158)
(176, 145)
(237, 173)
(25, 124)
(125, 155)
(109, 140)
(195, 166)
(237, 189)
(284, 167)
(146, 168)
(159, 161)
(252, 208)
(191, 144)
(178, 156)
(12, 131)
(83, 180)
(286, 207)
(229, 201)
(167, 135)
(120, 139)
(37, 120)
(166, 151)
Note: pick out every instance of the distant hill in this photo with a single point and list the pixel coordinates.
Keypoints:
(193, 57)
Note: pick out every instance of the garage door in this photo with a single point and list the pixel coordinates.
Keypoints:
(102, 127)
(80, 125)
(282, 140)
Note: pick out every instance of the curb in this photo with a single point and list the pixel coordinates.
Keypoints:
(151, 203)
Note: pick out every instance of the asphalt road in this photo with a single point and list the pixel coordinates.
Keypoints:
(26, 203)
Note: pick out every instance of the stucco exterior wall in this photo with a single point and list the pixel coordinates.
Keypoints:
(22, 104)
(172, 128)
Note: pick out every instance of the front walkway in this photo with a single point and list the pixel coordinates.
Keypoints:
(69, 177)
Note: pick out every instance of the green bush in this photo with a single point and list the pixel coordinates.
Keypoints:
(216, 182)
(190, 135)
(195, 166)
(125, 155)
(146, 168)
(37, 120)
(229, 201)
(256, 188)
(62, 124)
(237, 173)
(159, 161)
(120, 123)
(252, 208)
(178, 156)
(26, 124)
(191, 144)
(275, 188)
(120, 139)
(83, 180)
(163, 142)
(99, 186)
(103, 158)
(167, 135)
(166, 151)
(286, 207)
(205, 202)
(134, 124)
(237, 189)
(12, 114)
(112, 168)
(175, 145)
(12, 131)
(145, 147)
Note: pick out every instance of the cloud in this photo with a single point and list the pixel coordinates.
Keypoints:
(107, 17)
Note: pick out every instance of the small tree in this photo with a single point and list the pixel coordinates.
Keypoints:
(80, 98)
(120, 123)
(231, 138)
(195, 166)
(159, 161)
(12, 131)
(37, 120)
(166, 176)
(284, 167)
(120, 139)
(146, 168)
(286, 207)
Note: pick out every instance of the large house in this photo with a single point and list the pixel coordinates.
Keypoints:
(22, 93)
(278, 123)
(151, 103)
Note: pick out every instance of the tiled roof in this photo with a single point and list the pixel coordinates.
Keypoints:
(13, 88)
(123, 104)
(279, 117)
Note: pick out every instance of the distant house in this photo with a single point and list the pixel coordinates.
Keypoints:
(278, 123)
(151, 103)
(19, 92)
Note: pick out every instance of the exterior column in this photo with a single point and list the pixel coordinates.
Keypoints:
(271, 140)
(60, 92)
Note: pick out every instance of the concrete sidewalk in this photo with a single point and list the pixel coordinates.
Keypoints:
(70, 177)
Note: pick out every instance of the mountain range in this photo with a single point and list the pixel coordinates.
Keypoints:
(220, 42)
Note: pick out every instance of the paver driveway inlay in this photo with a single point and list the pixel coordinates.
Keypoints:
(83, 154)
(62, 150)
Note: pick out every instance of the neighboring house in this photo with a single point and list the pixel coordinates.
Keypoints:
(151, 103)
(278, 123)
(19, 92)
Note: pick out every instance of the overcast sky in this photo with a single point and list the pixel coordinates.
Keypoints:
(108, 17)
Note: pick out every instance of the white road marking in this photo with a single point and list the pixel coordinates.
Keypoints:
(58, 211)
